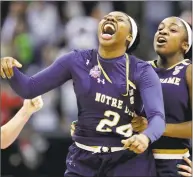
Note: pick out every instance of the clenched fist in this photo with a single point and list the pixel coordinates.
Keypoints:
(33, 105)
(137, 143)
(7, 64)
(73, 127)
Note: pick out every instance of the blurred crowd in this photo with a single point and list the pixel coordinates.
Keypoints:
(37, 33)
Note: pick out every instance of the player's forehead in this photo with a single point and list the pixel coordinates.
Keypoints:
(172, 21)
(118, 14)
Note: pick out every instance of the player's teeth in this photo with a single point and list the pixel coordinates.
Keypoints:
(109, 25)
(161, 38)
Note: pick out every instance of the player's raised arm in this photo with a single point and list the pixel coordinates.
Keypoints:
(42, 82)
(11, 130)
(152, 97)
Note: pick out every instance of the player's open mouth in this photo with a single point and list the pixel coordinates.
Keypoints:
(108, 30)
(161, 40)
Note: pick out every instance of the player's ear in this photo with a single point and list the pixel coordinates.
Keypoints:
(129, 38)
(185, 45)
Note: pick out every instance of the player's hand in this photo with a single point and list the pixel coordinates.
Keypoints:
(136, 143)
(33, 105)
(7, 64)
(73, 127)
(187, 168)
(139, 123)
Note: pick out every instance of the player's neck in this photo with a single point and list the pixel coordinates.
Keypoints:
(167, 62)
(109, 52)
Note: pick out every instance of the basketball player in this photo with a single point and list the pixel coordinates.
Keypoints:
(109, 85)
(11, 130)
(172, 43)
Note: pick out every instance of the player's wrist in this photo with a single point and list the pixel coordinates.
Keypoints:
(27, 111)
(146, 138)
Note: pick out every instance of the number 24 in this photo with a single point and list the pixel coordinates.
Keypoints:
(125, 130)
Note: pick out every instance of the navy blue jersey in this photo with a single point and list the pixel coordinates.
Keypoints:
(108, 92)
(176, 101)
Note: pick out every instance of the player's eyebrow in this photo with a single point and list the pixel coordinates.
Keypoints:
(174, 24)
(119, 16)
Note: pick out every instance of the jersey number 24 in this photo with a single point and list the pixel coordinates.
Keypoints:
(105, 125)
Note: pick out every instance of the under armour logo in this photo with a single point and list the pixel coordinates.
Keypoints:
(100, 80)
(87, 62)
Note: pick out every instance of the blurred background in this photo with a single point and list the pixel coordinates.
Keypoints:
(36, 33)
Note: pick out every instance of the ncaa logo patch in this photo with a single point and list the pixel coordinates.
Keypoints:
(95, 72)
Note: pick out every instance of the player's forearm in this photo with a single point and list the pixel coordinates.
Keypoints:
(11, 130)
(21, 84)
(152, 97)
(181, 130)
(155, 129)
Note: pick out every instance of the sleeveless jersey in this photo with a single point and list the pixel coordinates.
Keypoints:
(176, 102)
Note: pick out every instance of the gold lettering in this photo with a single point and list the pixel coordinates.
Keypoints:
(126, 110)
(102, 98)
(165, 80)
(120, 103)
(98, 96)
(114, 102)
(108, 99)
(177, 81)
(171, 80)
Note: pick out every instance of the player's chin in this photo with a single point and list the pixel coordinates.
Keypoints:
(107, 42)
(161, 51)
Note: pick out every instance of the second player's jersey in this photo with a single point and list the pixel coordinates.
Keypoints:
(176, 101)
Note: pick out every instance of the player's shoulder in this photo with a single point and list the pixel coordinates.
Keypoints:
(138, 62)
(85, 53)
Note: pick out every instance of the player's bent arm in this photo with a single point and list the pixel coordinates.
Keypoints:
(53, 76)
(11, 130)
(182, 130)
(152, 97)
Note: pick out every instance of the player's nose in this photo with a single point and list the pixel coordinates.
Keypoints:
(111, 18)
(163, 32)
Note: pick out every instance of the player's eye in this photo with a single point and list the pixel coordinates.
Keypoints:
(173, 30)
